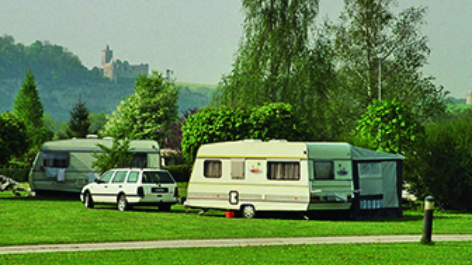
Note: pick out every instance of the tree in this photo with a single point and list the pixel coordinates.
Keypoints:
(29, 109)
(97, 121)
(146, 113)
(173, 138)
(116, 156)
(276, 121)
(444, 169)
(12, 137)
(381, 55)
(283, 58)
(389, 126)
(79, 124)
(209, 125)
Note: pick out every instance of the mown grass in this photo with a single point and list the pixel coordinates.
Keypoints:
(63, 219)
(398, 253)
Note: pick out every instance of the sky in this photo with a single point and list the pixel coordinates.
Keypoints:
(198, 39)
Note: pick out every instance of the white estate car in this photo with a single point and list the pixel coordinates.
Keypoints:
(127, 187)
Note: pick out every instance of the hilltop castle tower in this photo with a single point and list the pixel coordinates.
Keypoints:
(116, 70)
(107, 55)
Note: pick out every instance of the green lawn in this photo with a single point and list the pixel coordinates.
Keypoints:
(42, 219)
(405, 253)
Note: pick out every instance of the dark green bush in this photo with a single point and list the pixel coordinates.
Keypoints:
(181, 173)
(17, 174)
(211, 125)
(445, 163)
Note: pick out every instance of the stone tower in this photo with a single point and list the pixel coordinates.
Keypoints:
(117, 70)
(107, 55)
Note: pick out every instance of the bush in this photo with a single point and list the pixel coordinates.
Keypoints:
(181, 173)
(445, 168)
(17, 174)
(389, 126)
(211, 125)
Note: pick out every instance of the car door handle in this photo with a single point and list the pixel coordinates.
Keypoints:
(120, 186)
(106, 186)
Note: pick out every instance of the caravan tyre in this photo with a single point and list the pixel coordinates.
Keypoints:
(123, 203)
(88, 202)
(248, 211)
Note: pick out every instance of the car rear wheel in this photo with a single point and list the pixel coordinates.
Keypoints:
(123, 204)
(164, 207)
(248, 211)
(88, 202)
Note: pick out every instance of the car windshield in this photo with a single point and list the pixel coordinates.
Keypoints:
(157, 177)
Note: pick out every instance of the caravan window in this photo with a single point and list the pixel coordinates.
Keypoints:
(283, 170)
(139, 160)
(56, 159)
(324, 170)
(371, 170)
(212, 169)
(237, 169)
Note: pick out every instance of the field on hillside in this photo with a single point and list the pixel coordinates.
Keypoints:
(455, 109)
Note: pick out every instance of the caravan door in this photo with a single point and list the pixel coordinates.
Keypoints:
(331, 184)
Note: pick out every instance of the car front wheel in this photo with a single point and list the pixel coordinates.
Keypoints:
(88, 202)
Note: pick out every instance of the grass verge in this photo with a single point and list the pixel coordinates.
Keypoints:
(399, 253)
(63, 219)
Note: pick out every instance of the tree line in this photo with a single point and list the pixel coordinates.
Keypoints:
(62, 78)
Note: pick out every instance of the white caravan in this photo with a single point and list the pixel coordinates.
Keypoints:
(66, 165)
(251, 175)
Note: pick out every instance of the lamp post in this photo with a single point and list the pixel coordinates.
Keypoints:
(427, 220)
(380, 79)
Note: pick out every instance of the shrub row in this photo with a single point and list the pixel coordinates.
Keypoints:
(181, 173)
(17, 174)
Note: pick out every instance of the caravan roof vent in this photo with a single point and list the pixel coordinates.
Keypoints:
(108, 138)
(278, 141)
(252, 140)
(92, 136)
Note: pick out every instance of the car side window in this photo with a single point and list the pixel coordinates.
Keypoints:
(133, 177)
(148, 178)
(119, 177)
(107, 176)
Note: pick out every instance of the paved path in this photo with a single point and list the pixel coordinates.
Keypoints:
(234, 242)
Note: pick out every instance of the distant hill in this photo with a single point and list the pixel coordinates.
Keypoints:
(62, 78)
(456, 101)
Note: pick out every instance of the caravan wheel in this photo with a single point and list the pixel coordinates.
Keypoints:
(248, 211)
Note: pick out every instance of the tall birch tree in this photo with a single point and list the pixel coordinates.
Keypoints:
(282, 58)
(381, 55)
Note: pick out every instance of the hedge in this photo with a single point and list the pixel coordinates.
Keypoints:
(17, 174)
(181, 173)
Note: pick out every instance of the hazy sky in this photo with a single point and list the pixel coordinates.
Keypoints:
(197, 39)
